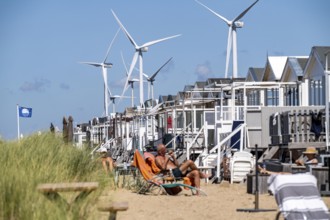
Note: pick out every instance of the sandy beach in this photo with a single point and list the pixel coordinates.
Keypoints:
(221, 202)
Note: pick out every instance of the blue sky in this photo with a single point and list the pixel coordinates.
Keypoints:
(43, 41)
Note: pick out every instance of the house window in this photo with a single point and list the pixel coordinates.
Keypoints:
(209, 117)
(272, 97)
(179, 119)
(199, 119)
(253, 97)
(188, 119)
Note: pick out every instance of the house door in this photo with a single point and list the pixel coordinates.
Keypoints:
(209, 121)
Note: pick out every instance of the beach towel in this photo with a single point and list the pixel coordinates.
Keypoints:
(145, 169)
(150, 159)
(297, 196)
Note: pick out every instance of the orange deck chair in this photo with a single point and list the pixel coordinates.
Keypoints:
(154, 178)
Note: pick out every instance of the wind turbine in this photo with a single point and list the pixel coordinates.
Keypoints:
(233, 24)
(152, 79)
(104, 66)
(113, 98)
(138, 54)
(131, 81)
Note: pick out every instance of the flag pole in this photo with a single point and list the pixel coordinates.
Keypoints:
(17, 122)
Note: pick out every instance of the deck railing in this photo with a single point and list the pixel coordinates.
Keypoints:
(222, 151)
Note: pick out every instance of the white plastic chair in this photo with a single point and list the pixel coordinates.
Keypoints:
(241, 164)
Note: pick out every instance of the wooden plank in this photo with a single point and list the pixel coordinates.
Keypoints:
(305, 137)
(300, 137)
(295, 126)
(306, 144)
(269, 153)
(114, 207)
(66, 187)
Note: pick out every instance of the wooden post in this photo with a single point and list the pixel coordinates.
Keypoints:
(113, 208)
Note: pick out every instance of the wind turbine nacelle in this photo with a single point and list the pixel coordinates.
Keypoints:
(239, 24)
(108, 65)
(144, 49)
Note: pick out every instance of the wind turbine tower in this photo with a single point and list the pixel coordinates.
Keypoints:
(139, 50)
(232, 39)
(104, 66)
(113, 98)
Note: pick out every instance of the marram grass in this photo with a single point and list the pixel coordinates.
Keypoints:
(45, 159)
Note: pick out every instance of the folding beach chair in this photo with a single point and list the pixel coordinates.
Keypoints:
(158, 180)
(297, 196)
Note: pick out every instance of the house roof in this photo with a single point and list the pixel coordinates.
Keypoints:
(295, 63)
(294, 69)
(162, 98)
(277, 65)
(316, 63)
(320, 52)
(212, 80)
(303, 62)
(188, 88)
(240, 79)
(200, 84)
(179, 96)
(274, 68)
(255, 74)
(170, 100)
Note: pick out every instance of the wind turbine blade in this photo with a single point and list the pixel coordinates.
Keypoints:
(137, 69)
(229, 42)
(135, 57)
(125, 31)
(244, 12)
(122, 96)
(122, 58)
(157, 41)
(109, 92)
(92, 63)
(109, 48)
(155, 74)
(146, 76)
(216, 14)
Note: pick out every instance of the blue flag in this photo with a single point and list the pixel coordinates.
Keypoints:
(25, 112)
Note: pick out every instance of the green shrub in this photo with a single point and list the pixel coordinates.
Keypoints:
(43, 159)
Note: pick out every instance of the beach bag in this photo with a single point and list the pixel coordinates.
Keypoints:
(173, 190)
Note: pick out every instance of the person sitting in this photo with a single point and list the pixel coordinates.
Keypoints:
(107, 161)
(309, 157)
(316, 126)
(186, 169)
(309, 160)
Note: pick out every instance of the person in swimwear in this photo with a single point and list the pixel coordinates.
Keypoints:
(186, 169)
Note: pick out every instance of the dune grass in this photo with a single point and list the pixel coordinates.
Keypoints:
(44, 159)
